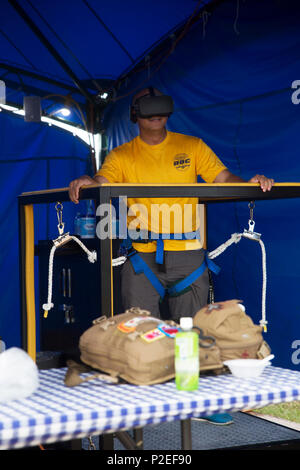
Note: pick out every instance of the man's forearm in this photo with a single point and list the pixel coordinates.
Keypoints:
(100, 179)
(84, 180)
(227, 177)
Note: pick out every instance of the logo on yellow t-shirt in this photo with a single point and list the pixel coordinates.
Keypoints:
(182, 161)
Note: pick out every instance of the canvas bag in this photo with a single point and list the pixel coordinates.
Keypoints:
(132, 346)
(235, 333)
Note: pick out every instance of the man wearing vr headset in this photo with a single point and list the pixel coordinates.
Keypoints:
(157, 156)
(156, 267)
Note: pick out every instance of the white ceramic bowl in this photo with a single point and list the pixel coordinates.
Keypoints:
(246, 367)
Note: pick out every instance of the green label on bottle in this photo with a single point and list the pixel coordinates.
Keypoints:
(186, 361)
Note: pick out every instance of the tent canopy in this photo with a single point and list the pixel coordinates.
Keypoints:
(84, 48)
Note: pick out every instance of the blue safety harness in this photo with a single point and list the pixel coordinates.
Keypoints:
(140, 266)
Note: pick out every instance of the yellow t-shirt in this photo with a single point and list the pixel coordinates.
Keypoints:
(178, 159)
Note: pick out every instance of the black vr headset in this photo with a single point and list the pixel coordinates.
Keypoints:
(151, 105)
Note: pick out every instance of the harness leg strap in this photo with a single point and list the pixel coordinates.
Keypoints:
(140, 266)
(186, 282)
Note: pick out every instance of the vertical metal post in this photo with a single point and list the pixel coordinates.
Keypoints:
(106, 441)
(186, 434)
(106, 260)
(26, 240)
(22, 276)
(139, 438)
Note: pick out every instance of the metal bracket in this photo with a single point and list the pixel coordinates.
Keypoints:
(251, 224)
(62, 239)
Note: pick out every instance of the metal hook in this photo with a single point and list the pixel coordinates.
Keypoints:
(251, 222)
(251, 206)
(61, 225)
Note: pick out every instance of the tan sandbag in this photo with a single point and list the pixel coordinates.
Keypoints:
(134, 347)
(130, 346)
(235, 333)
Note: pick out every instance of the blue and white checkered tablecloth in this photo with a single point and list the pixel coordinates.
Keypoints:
(56, 413)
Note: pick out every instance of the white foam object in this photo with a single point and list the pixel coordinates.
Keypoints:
(18, 375)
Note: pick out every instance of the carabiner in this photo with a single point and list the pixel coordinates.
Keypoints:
(205, 341)
(61, 225)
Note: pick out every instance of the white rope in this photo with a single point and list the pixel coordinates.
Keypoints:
(263, 322)
(235, 238)
(119, 261)
(49, 304)
(92, 257)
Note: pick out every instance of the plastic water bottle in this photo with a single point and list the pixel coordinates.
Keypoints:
(88, 222)
(77, 224)
(186, 356)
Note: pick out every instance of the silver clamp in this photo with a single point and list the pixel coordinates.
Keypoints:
(62, 239)
(251, 224)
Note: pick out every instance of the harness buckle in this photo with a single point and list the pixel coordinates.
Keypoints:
(130, 252)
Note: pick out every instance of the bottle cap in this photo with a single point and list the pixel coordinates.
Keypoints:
(186, 323)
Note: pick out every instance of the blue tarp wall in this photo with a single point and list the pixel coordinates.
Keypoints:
(232, 86)
(33, 156)
(231, 79)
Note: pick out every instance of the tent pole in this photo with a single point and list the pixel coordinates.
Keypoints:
(37, 76)
(94, 124)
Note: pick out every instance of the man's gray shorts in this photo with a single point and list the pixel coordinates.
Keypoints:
(137, 290)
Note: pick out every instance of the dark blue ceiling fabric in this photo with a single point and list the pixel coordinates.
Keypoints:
(96, 40)
(232, 86)
(244, 58)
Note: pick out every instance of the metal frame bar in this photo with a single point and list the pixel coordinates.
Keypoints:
(207, 193)
(186, 434)
(37, 76)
